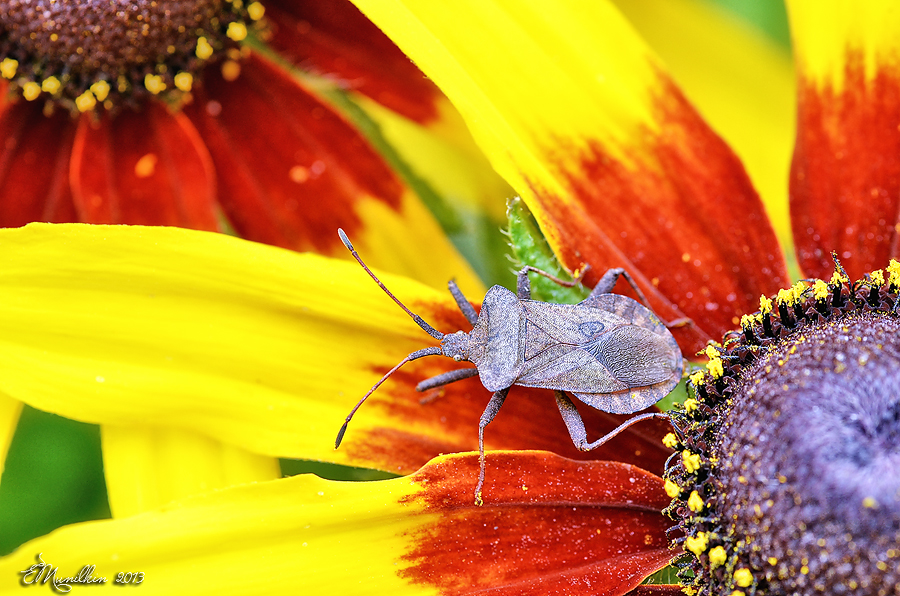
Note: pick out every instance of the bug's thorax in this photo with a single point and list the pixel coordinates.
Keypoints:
(456, 346)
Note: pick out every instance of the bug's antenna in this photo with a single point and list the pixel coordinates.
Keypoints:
(432, 351)
(419, 320)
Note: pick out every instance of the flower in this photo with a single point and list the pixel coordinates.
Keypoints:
(627, 146)
(197, 114)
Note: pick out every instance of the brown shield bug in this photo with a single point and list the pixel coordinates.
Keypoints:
(609, 351)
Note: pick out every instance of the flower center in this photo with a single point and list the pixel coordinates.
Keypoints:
(788, 480)
(80, 53)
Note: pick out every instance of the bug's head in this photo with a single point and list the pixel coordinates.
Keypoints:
(456, 346)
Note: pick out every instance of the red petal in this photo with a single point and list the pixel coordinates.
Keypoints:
(290, 169)
(845, 177)
(685, 221)
(660, 590)
(34, 165)
(147, 167)
(548, 525)
(446, 420)
(333, 38)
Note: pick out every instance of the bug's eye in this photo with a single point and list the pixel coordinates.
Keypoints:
(457, 357)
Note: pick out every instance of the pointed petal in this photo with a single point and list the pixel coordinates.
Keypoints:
(34, 165)
(616, 165)
(548, 524)
(845, 177)
(251, 345)
(10, 409)
(148, 467)
(310, 173)
(148, 167)
(740, 80)
(333, 38)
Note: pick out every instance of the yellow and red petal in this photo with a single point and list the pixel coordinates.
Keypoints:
(10, 409)
(251, 345)
(618, 168)
(845, 176)
(332, 38)
(142, 167)
(34, 165)
(291, 171)
(548, 524)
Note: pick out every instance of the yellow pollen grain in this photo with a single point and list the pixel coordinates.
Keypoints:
(882, 566)
(31, 90)
(820, 290)
(772, 561)
(785, 296)
(804, 570)
(691, 404)
(51, 85)
(893, 270)
(154, 84)
(54, 37)
(8, 68)
(237, 31)
(685, 257)
(877, 278)
(184, 81)
(670, 440)
(765, 305)
(711, 351)
(697, 544)
(695, 502)
(870, 503)
(737, 593)
(100, 89)
(717, 556)
(145, 166)
(743, 577)
(671, 489)
(86, 101)
(204, 50)
(691, 461)
(256, 11)
(231, 70)
(715, 367)
(837, 279)
(697, 377)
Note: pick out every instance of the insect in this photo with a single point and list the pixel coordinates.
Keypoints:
(609, 351)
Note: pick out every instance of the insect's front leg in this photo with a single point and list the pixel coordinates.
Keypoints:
(489, 412)
(464, 305)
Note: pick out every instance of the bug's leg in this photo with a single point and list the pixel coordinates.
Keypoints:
(489, 412)
(464, 305)
(523, 284)
(575, 424)
(608, 282)
(451, 376)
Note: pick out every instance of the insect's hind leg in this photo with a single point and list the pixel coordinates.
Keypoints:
(464, 305)
(523, 284)
(608, 282)
(575, 424)
(489, 412)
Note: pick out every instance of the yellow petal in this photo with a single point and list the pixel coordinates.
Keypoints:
(9, 417)
(149, 467)
(250, 345)
(740, 81)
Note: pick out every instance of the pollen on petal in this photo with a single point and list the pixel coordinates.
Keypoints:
(672, 489)
(877, 278)
(86, 101)
(715, 368)
(697, 377)
(31, 90)
(100, 89)
(204, 50)
(8, 68)
(146, 165)
(820, 290)
(691, 404)
(743, 577)
(670, 440)
(237, 31)
(717, 556)
(184, 81)
(256, 11)
(51, 85)
(231, 70)
(154, 84)
(697, 544)
(695, 502)
(691, 461)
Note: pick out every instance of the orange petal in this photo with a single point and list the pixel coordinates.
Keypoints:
(845, 176)
(333, 38)
(148, 167)
(34, 165)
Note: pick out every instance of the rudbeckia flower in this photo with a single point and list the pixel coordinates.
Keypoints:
(780, 470)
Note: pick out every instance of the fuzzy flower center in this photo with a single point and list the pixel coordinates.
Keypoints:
(789, 477)
(79, 54)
